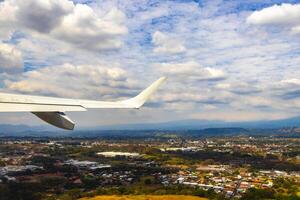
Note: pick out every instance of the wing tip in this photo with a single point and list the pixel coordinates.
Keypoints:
(142, 97)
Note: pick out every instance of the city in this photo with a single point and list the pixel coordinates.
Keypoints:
(219, 167)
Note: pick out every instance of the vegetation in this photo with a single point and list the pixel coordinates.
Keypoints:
(283, 189)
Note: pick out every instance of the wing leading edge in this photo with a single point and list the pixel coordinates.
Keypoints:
(51, 109)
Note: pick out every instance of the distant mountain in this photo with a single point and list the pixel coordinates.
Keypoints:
(202, 124)
(168, 134)
(118, 134)
(205, 127)
(289, 122)
(8, 130)
(172, 125)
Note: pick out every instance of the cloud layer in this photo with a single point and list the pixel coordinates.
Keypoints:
(191, 71)
(77, 81)
(284, 15)
(225, 60)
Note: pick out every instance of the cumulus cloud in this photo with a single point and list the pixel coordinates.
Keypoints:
(85, 29)
(213, 59)
(80, 81)
(166, 45)
(7, 19)
(76, 24)
(42, 15)
(10, 58)
(284, 14)
(191, 70)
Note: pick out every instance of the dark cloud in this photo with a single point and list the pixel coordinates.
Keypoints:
(213, 101)
(245, 91)
(293, 94)
(42, 16)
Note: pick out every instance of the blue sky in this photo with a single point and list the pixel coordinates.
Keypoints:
(225, 60)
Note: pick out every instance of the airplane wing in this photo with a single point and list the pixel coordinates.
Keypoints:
(52, 109)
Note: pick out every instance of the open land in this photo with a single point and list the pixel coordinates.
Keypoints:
(145, 197)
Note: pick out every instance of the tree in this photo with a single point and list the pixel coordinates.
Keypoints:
(148, 181)
(256, 194)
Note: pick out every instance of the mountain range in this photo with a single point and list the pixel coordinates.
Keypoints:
(207, 126)
(193, 124)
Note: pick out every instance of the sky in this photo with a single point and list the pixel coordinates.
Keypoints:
(230, 60)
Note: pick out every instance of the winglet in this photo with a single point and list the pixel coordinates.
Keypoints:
(139, 100)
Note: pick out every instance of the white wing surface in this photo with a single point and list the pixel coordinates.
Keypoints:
(48, 108)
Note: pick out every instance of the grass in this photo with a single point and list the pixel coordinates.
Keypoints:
(145, 197)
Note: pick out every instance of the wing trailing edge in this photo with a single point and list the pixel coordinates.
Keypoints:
(51, 109)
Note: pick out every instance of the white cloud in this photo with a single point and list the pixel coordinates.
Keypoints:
(10, 58)
(240, 115)
(79, 81)
(284, 14)
(295, 30)
(166, 45)
(78, 24)
(85, 29)
(293, 81)
(7, 19)
(276, 14)
(191, 70)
